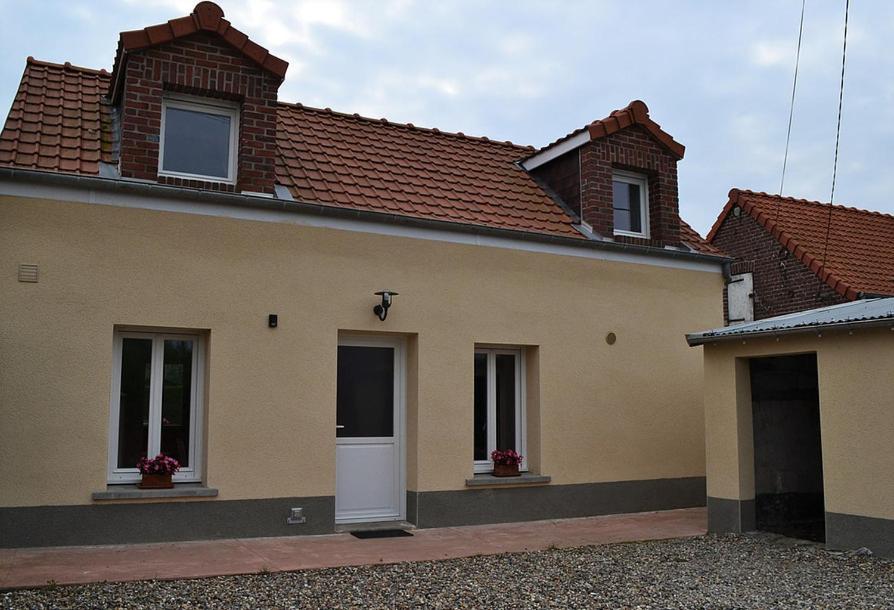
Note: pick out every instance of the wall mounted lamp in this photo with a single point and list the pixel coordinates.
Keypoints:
(381, 310)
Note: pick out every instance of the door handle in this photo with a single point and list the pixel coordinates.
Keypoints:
(338, 427)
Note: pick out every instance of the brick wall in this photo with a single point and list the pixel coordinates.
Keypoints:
(632, 149)
(782, 284)
(200, 65)
(562, 174)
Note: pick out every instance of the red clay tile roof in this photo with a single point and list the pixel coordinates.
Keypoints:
(691, 238)
(861, 243)
(58, 120)
(352, 161)
(635, 113)
(61, 122)
(205, 17)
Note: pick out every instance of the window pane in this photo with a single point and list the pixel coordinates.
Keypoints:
(133, 416)
(627, 209)
(481, 407)
(196, 142)
(176, 400)
(506, 401)
(365, 392)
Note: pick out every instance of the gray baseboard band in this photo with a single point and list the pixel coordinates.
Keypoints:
(504, 505)
(843, 531)
(124, 523)
(730, 516)
(855, 531)
(91, 524)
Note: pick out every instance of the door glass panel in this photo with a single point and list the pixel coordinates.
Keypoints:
(506, 401)
(481, 407)
(176, 399)
(365, 393)
(133, 417)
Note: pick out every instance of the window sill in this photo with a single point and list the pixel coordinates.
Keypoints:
(525, 478)
(631, 234)
(132, 492)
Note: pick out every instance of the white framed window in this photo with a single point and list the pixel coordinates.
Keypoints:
(630, 203)
(499, 404)
(157, 381)
(198, 139)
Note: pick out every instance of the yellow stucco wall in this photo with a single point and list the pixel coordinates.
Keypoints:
(856, 394)
(623, 412)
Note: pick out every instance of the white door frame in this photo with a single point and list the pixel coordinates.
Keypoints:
(400, 416)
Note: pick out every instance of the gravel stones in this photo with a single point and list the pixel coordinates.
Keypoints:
(706, 572)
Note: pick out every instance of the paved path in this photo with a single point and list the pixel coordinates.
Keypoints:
(172, 560)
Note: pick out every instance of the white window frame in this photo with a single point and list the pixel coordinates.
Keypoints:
(521, 432)
(130, 475)
(643, 182)
(199, 105)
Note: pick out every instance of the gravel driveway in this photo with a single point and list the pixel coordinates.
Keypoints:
(707, 572)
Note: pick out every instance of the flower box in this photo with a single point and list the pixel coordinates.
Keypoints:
(156, 481)
(506, 462)
(506, 470)
(156, 472)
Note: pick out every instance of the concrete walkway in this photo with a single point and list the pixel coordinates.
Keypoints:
(69, 565)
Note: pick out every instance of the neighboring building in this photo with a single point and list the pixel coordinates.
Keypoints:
(190, 266)
(799, 414)
(791, 254)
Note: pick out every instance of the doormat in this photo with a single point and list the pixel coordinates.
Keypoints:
(381, 534)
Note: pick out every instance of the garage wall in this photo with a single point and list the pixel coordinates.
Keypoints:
(856, 395)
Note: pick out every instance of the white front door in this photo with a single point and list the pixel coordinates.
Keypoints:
(369, 462)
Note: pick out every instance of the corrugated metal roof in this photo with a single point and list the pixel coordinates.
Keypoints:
(863, 312)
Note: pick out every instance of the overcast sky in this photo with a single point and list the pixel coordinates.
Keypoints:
(716, 75)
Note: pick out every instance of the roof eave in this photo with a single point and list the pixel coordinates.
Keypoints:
(635, 113)
(135, 187)
(696, 339)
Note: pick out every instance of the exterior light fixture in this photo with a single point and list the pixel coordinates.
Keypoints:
(382, 309)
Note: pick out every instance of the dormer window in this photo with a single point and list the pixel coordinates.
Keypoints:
(198, 140)
(630, 201)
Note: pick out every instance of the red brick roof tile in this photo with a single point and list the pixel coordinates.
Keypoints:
(205, 17)
(58, 120)
(635, 113)
(352, 161)
(860, 256)
(691, 238)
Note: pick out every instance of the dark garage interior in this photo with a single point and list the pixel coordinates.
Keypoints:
(788, 463)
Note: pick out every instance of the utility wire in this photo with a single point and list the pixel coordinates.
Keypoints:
(791, 111)
(837, 136)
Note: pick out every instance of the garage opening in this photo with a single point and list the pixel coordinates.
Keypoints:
(788, 461)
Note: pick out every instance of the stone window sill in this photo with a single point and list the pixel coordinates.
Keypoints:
(132, 492)
(489, 480)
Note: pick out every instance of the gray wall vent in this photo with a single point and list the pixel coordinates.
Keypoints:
(28, 273)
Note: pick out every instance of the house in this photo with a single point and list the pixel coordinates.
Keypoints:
(792, 255)
(799, 424)
(330, 319)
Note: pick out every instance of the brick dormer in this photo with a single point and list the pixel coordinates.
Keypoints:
(624, 161)
(197, 73)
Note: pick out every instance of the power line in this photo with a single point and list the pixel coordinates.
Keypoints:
(837, 134)
(791, 111)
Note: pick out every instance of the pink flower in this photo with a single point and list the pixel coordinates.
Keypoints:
(160, 464)
(509, 457)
